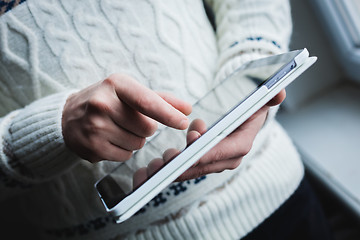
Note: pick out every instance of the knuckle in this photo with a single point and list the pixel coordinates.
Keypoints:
(98, 103)
(93, 126)
(246, 148)
(149, 128)
(242, 148)
(203, 171)
(233, 165)
(125, 155)
(142, 102)
(218, 155)
(117, 78)
(112, 79)
(132, 143)
(139, 143)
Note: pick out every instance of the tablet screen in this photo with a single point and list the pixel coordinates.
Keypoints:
(224, 97)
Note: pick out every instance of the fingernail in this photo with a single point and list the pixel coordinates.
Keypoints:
(197, 134)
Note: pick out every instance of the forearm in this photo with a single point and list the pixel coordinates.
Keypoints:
(252, 26)
(250, 29)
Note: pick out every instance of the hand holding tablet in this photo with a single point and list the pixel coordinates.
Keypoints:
(226, 107)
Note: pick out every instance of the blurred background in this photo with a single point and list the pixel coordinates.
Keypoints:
(322, 109)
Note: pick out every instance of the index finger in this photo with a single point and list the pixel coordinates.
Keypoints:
(150, 103)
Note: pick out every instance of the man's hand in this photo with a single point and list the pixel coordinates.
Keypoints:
(228, 153)
(110, 119)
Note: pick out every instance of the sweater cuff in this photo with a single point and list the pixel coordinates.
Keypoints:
(34, 147)
(248, 50)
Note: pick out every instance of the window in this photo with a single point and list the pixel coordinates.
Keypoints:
(341, 20)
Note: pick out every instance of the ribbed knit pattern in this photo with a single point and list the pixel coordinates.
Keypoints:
(35, 141)
(50, 49)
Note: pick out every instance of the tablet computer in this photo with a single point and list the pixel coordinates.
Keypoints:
(223, 109)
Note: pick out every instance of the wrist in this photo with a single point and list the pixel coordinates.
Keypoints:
(35, 139)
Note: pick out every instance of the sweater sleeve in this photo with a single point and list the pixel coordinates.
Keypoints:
(250, 29)
(32, 149)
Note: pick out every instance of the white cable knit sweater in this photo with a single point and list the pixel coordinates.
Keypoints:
(50, 49)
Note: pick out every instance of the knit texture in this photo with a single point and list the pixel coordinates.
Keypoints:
(50, 49)
(33, 147)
